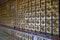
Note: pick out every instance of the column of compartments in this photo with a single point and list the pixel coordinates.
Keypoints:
(42, 16)
(52, 18)
(33, 14)
(27, 16)
(48, 17)
(38, 15)
(55, 9)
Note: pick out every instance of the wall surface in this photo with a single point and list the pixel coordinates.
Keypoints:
(33, 15)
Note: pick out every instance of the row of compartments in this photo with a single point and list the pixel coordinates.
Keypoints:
(35, 4)
(38, 21)
(39, 2)
(49, 15)
(43, 29)
(42, 22)
(37, 9)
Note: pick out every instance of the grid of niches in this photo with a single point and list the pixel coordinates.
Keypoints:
(39, 15)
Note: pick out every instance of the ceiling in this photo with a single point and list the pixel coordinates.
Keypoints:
(3, 1)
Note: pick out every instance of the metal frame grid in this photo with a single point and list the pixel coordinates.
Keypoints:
(32, 16)
(45, 14)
